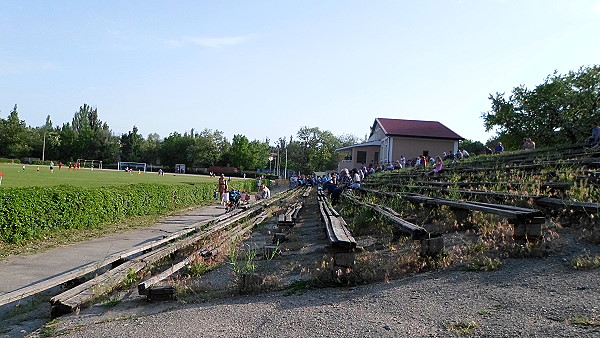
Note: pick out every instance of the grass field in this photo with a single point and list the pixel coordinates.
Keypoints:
(14, 176)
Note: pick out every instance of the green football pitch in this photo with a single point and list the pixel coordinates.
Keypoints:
(14, 176)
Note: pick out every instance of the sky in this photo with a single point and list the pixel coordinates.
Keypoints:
(265, 69)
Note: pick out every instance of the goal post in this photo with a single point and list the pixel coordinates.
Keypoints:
(90, 164)
(132, 166)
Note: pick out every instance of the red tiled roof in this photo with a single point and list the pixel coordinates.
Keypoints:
(415, 128)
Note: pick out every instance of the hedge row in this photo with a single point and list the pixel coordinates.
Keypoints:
(29, 212)
(9, 160)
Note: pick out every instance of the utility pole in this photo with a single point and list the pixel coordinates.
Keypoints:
(44, 148)
(278, 163)
(285, 170)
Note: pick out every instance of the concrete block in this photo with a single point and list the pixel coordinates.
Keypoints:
(533, 230)
(432, 246)
(518, 231)
(159, 293)
(279, 237)
(344, 259)
(461, 216)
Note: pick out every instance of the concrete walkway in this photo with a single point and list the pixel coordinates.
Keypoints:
(20, 271)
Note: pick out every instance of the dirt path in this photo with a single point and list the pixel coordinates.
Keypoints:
(525, 298)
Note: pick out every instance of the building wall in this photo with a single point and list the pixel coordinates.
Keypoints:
(413, 147)
(377, 134)
(354, 162)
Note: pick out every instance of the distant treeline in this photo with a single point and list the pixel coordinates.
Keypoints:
(87, 137)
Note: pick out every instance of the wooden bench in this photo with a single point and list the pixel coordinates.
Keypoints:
(431, 245)
(566, 204)
(527, 223)
(338, 234)
(290, 215)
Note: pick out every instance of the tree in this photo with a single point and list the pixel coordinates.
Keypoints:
(473, 147)
(46, 141)
(244, 154)
(558, 111)
(175, 149)
(131, 146)
(150, 149)
(208, 148)
(239, 153)
(347, 140)
(88, 137)
(15, 137)
(259, 154)
(314, 150)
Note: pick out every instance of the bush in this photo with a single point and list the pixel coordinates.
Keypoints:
(44, 163)
(9, 160)
(28, 212)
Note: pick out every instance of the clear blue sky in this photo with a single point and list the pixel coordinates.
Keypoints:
(267, 68)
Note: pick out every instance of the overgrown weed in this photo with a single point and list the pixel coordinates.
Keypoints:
(463, 328)
(586, 262)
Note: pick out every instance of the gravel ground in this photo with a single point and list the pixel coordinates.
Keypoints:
(527, 297)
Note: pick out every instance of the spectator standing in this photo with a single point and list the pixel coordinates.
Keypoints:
(223, 189)
(258, 183)
(499, 148)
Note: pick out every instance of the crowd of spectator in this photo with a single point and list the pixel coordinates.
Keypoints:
(335, 182)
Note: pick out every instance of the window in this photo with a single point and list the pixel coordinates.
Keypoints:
(361, 157)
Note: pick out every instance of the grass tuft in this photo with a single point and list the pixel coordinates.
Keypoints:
(463, 328)
(586, 262)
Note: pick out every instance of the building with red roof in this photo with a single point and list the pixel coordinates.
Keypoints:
(392, 138)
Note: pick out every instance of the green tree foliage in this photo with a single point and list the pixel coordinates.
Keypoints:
(558, 111)
(87, 137)
(259, 154)
(174, 149)
(314, 150)
(239, 154)
(45, 141)
(15, 137)
(473, 147)
(207, 148)
(131, 146)
(348, 140)
(245, 154)
(150, 151)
